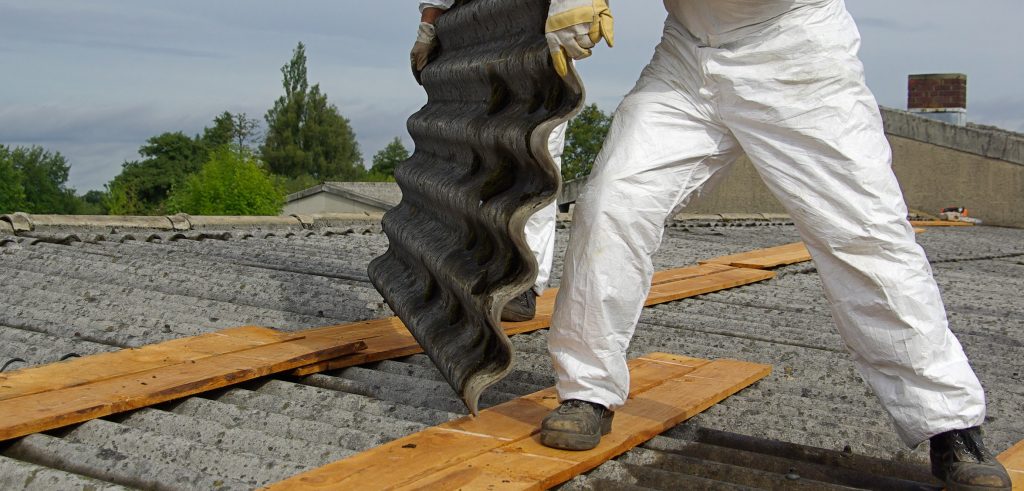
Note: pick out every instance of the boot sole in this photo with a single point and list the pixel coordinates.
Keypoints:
(565, 440)
(568, 441)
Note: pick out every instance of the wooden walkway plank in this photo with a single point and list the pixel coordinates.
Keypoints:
(939, 223)
(676, 290)
(32, 413)
(394, 340)
(1013, 460)
(765, 258)
(500, 449)
(92, 368)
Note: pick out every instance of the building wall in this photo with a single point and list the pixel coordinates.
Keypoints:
(327, 203)
(934, 177)
(938, 165)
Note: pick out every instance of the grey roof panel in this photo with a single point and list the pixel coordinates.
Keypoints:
(90, 297)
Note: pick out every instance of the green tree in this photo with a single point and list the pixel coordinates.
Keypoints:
(12, 192)
(229, 183)
(385, 161)
(583, 141)
(306, 134)
(93, 203)
(238, 130)
(42, 177)
(143, 185)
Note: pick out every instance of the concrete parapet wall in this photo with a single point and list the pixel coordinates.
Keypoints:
(989, 143)
(935, 177)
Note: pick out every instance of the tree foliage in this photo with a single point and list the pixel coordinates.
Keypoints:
(387, 159)
(12, 192)
(238, 130)
(305, 133)
(34, 180)
(584, 138)
(231, 182)
(143, 185)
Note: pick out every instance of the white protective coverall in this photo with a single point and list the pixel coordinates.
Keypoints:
(540, 228)
(779, 80)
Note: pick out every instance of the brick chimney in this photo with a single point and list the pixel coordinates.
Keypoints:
(940, 96)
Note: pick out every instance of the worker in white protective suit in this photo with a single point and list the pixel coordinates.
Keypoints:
(780, 81)
(540, 228)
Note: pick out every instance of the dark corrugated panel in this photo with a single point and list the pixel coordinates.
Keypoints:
(457, 252)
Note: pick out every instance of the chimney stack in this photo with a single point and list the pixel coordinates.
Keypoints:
(940, 96)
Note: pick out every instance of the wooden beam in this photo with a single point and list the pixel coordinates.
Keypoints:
(500, 448)
(1013, 460)
(132, 379)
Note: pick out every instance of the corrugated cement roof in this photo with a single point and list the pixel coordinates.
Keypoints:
(812, 424)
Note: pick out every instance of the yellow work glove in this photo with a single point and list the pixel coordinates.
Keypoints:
(575, 26)
(426, 41)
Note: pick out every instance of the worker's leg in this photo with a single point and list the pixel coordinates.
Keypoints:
(540, 228)
(812, 128)
(660, 148)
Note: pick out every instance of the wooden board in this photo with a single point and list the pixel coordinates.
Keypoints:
(939, 223)
(765, 258)
(1013, 460)
(393, 339)
(93, 368)
(500, 448)
(131, 379)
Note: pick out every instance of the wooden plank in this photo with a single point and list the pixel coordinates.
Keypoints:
(700, 285)
(939, 223)
(765, 258)
(93, 368)
(394, 340)
(500, 449)
(1013, 460)
(20, 416)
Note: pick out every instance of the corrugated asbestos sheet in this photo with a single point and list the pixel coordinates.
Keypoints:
(481, 167)
(812, 424)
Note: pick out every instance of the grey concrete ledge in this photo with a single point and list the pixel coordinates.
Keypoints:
(154, 222)
(992, 143)
(23, 222)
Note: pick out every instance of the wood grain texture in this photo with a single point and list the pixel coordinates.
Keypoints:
(108, 394)
(500, 448)
(765, 258)
(939, 223)
(1013, 460)
(388, 338)
(88, 369)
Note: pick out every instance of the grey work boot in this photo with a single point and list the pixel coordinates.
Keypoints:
(959, 458)
(576, 425)
(521, 308)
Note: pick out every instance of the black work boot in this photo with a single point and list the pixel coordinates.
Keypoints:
(576, 425)
(959, 458)
(521, 308)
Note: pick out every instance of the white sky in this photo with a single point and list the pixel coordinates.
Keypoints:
(93, 80)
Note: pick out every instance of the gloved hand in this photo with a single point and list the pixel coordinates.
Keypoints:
(426, 41)
(575, 26)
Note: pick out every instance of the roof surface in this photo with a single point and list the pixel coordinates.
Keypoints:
(73, 292)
